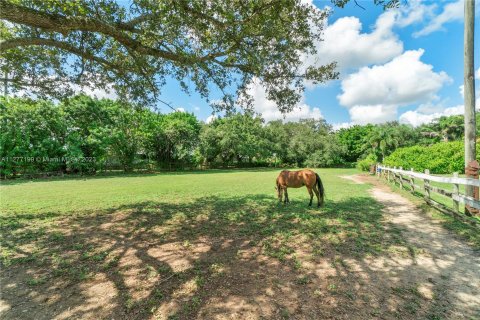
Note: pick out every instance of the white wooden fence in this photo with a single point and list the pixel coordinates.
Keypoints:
(407, 180)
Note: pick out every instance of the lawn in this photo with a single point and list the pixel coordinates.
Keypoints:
(62, 196)
(199, 244)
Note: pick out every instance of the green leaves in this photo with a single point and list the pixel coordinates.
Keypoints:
(439, 158)
(83, 134)
(30, 131)
(55, 46)
(238, 138)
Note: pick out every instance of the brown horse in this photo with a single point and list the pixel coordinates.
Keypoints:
(297, 179)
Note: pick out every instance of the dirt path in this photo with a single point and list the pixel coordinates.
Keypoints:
(444, 268)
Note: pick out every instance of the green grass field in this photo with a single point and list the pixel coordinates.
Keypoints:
(104, 233)
(57, 197)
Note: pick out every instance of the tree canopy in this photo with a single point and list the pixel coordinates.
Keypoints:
(83, 134)
(53, 47)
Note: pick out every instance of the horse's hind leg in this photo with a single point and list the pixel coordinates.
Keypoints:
(317, 194)
(286, 196)
(311, 196)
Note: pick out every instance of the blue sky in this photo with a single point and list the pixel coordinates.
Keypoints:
(404, 64)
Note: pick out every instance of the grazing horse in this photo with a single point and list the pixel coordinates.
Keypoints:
(297, 179)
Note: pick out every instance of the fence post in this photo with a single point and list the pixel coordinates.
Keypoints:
(401, 179)
(394, 175)
(456, 206)
(471, 171)
(412, 182)
(426, 186)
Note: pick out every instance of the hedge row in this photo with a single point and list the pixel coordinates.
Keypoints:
(439, 158)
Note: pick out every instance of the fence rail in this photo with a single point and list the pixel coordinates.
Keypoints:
(406, 180)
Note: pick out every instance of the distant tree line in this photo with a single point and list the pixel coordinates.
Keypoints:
(86, 135)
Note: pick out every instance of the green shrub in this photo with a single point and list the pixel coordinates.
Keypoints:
(365, 164)
(439, 158)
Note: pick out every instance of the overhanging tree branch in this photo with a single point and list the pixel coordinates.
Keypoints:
(64, 25)
(223, 43)
(23, 42)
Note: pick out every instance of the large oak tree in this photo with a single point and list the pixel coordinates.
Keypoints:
(52, 47)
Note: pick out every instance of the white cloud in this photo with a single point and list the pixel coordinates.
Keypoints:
(430, 107)
(108, 93)
(451, 12)
(428, 112)
(342, 125)
(211, 118)
(344, 42)
(373, 94)
(180, 109)
(414, 11)
(363, 114)
(401, 81)
(416, 117)
(269, 111)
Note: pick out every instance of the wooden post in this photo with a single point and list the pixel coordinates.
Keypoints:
(426, 186)
(412, 182)
(456, 206)
(471, 171)
(469, 89)
(401, 179)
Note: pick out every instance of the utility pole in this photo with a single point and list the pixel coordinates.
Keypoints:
(469, 85)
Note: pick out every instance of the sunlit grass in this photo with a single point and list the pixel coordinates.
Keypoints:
(64, 196)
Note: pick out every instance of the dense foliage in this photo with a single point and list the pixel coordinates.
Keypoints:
(86, 135)
(83, 134)
(442, 157)
(439, 147)
(53, 48)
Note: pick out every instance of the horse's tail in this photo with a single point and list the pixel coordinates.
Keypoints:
(321, 190)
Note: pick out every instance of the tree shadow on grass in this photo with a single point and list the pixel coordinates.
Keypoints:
(233, 256)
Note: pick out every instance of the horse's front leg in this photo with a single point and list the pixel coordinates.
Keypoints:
(286, 196)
